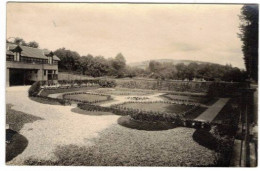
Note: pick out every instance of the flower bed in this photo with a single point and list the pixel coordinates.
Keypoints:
(140, 110)
(138, 98)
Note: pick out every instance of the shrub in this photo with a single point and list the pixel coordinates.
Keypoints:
(34, 89)
(107, 83)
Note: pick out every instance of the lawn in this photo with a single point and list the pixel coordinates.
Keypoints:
(16, 121)
(158, 107)
(86, 97)
(120, 146)
(197, 99)
(124, 92)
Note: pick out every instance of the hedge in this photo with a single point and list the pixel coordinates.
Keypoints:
(34, 89)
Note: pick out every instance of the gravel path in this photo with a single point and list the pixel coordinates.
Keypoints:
(59, 127)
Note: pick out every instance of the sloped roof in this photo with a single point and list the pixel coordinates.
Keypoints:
(46, 52)
(56, 58)
(30, 51)
(8, 52)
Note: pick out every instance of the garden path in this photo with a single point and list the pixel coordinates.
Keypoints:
(60, 126)
(212, 111)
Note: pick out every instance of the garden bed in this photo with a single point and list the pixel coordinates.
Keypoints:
(158, 107)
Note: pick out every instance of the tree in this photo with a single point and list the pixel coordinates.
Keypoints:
(33, 44)
(249, 37)
(19, 41)
(154, 66)
(68, 59)
(119, 64)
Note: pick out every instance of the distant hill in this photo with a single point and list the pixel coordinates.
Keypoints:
(145, 64)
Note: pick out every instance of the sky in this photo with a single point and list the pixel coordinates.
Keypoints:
(201, 32)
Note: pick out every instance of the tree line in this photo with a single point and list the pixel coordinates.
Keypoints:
(99, 66)
(21, 41)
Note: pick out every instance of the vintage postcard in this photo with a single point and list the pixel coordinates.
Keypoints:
(131, 84)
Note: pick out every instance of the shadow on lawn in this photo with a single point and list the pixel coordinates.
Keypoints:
(126, 121)
(17, 144)
(206, 139)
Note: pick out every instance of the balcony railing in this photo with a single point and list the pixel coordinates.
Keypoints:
(30, 60)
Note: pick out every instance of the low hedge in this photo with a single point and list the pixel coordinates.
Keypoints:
(100, 82)
(107, 83)
(49, 99)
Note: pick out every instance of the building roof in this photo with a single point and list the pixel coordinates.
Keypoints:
(47, 52)
(8, 52)
(29, 51)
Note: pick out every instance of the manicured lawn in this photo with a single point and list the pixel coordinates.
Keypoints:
(120, 146)
(158, 107)
(86, 97)
(47, 92)
(17, 119)
(123, 92)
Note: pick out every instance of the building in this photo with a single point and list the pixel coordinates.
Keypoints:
(25, 65)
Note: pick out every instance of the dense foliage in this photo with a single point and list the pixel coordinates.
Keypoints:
(20, 41)
(100, 66)
(206, 71)
(249, 36)
(34, 89)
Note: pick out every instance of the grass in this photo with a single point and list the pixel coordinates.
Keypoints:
(120, 146)
(86, 97)
(123, 92)
(158, 107)
(17, 119)
(197, 99)
(47, 92)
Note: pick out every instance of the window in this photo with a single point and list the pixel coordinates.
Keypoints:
(44, 72)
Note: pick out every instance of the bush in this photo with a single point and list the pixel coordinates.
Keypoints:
(107, 83)
(34, 89)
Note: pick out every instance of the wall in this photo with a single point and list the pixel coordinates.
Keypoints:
(68, 76)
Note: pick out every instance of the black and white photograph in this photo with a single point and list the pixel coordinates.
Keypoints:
(131, 84)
